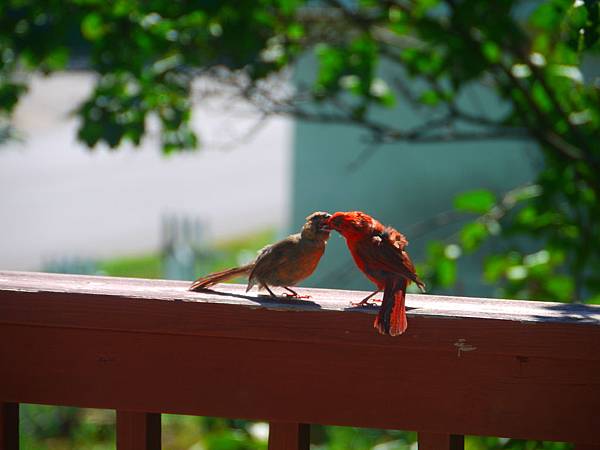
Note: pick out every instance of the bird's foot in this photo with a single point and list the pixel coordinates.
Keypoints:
(286, 295)
(366, 302)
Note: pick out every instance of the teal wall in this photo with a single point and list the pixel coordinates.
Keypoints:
(401, 184)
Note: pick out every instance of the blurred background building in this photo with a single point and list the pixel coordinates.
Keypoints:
(409, 186)
(62, 201)
(67, 207)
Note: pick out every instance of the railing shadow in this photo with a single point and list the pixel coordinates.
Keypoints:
(266, 299)
(576, 312)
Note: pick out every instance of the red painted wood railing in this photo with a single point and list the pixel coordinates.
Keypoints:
(475, 366)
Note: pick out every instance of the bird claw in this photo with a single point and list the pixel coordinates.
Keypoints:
(286, 295)
(366, 302)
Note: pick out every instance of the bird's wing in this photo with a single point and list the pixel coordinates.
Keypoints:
(396, 238)
(382, 254)
(274, 255)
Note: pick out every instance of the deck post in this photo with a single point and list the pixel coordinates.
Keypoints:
(289, 436)
(9, 426)
(440, 441)
(138, 431)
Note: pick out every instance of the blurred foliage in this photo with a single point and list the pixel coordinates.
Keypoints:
(559, 261)
(352, 438)
(146, 54)
(145, 266)
(531, 54)
(62, 428)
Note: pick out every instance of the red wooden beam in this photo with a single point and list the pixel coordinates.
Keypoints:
(465, 365)
(9, 426)
(138, 431)
(289, 436)
(579, 446)
(440, 441)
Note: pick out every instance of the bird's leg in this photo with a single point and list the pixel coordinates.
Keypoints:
(365, 301)
(270, 291)
(294, 293)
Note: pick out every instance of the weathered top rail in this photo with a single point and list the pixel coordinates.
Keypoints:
(465, 366)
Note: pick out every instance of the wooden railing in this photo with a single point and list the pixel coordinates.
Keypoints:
(466, 366)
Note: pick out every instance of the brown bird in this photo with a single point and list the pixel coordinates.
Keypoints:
(284, 263)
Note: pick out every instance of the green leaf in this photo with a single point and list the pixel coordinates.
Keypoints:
(295, 31)
(527, 216)
(388, 99)
(577, 17)
(287, 7)
(491, 51)
(331, 66)
(92, 26)
(561, 287)
(58, 58)
(472, 235)
(547, 16)
(441, 269)
(429, 98)
(10, 94)
(478, 201)
(494, 268)
(446, 271)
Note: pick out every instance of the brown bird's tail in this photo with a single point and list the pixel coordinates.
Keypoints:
(392, 313)
(217, 277)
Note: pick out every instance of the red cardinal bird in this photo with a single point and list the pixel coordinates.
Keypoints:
(379, 252)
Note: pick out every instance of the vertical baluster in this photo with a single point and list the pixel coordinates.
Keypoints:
(440, 441)
(138, 431)
(289, 436)
(9, 426)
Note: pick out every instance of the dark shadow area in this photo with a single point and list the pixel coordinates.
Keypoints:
(372, 307)
(266, 299)
(572, 312)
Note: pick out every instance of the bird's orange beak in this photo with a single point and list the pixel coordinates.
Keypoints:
(326, 225)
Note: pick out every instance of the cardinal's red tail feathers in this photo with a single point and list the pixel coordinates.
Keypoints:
(392, 314)
(217, 277)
